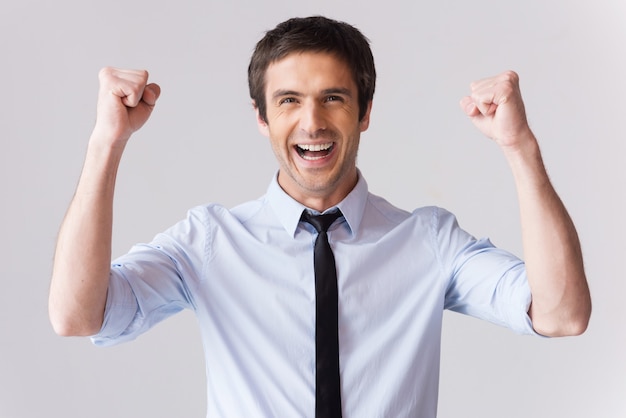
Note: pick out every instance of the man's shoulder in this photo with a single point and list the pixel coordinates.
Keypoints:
(214, 212)
(393, 212)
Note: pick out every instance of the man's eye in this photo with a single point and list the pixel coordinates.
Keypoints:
(287, 100)
(334, 99)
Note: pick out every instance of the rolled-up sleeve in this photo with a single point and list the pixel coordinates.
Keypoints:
(120, 310)
(483, 281)
(151, 282)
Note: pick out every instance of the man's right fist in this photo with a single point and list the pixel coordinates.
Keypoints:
(125, 101)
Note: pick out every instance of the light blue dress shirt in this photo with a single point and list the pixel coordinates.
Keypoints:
(247, 273)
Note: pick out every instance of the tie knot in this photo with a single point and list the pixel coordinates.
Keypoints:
(321, 222)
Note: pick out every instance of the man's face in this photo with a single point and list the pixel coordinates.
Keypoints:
(313, 126)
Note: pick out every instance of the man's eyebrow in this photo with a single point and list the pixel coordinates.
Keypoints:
(333, 90)
(281, 93)
(338, 90)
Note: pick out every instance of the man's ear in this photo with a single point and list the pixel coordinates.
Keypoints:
(261, 123)
(364, 123)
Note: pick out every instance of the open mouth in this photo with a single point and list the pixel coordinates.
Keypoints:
(313, 152)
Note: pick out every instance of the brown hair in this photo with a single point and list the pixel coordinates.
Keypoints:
(315, 34)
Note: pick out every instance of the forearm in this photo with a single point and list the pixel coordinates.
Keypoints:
(82, 260)
(83, 255)
(561, 303)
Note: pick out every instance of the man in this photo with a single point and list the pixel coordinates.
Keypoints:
(249, 272)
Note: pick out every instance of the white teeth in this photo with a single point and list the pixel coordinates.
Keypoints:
(315, 147)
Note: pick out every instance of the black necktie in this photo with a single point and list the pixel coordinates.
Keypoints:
(327, 387)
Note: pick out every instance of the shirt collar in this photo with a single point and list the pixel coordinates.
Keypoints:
(288, 210)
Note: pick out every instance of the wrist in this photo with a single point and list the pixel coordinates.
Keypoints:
(103, 145)
(526, 163)
(524, 147)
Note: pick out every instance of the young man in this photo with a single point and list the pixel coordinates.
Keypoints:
(249, 273)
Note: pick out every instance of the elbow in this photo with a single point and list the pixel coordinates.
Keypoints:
(574, 324)
(567, 315)
(72, 314)
(68, 329)
(65, 328)
(62, 329)
(574, 327)
(581, 322)
(569, 330)
(68, 324)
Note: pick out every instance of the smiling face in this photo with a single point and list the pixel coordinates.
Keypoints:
(313, 125)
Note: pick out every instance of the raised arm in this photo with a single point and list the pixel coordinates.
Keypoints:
(561, 304)
(82, 260)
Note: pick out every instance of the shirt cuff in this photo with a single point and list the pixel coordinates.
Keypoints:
(121, 308)
(527, 323)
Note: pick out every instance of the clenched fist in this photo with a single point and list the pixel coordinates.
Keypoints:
(125, 102)
(496, 108)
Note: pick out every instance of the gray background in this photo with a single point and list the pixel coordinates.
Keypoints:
(202, 145)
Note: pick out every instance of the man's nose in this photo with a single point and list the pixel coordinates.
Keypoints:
(312, 118)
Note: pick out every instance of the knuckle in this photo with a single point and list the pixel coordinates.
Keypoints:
(511, 76)
(105, 73)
